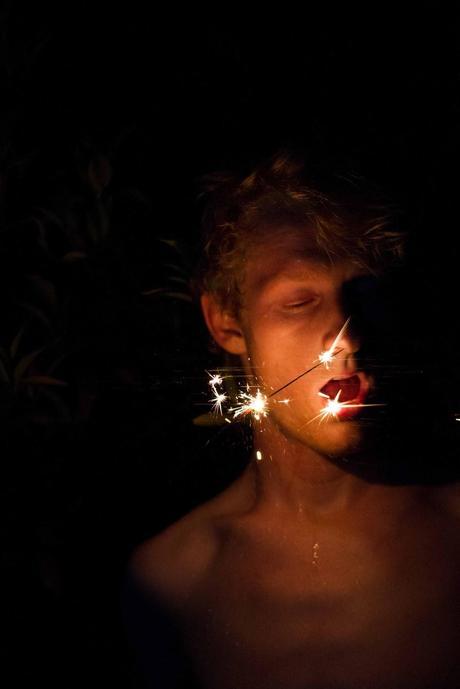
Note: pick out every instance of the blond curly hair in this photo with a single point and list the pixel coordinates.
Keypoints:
(347, 218)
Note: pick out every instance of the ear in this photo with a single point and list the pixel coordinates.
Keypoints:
(224, 327)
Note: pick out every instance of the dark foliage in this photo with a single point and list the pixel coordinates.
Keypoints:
(107, 120)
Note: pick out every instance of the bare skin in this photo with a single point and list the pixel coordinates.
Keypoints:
(268, 596)
(302, 574)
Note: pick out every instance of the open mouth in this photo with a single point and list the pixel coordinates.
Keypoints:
(351, 389)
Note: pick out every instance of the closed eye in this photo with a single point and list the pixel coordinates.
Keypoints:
(300, 304)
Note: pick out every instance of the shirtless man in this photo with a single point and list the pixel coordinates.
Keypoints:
(305, 572)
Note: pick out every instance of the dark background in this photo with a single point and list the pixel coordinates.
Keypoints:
(108, 117)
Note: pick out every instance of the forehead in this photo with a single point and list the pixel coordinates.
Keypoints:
(286, 253)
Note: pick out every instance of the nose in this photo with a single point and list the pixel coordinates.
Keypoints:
(340, 335)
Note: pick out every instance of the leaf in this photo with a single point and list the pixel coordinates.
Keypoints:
(173, 243)
(157, 290)
(179, 280)
(174, 267)
(178, 248)
(3, 373)
(72, 256)
(43, 380)
(25, 362)
(51, 217)
(44, 289)
(163, 291)
(33, 311)
(58, 361)
(42, 236)
(99, 173)
(15, 343)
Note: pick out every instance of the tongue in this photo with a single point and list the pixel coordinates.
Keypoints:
(349, 388)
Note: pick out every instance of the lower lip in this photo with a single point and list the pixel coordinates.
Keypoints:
(346, 413)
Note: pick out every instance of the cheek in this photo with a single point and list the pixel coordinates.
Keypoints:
(280, 350)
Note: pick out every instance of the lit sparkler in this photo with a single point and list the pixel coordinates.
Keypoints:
(334, 407)
(217, 401)
(257, 404)
(251, 404)
(327, 356)
(246, 402)
(219, 398)
(215, 380)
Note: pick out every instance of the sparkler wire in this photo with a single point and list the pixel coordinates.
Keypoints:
(321, 363)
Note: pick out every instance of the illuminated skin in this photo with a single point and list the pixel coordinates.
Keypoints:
(301, 574)
(292, 313)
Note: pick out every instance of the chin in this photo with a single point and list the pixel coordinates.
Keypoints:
(334, 440)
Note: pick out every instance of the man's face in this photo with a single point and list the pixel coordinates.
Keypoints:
(293, 311)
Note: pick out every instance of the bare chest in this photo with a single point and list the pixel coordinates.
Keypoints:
(329, 613)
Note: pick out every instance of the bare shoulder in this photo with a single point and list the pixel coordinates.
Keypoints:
(171, 564)
(447, 499)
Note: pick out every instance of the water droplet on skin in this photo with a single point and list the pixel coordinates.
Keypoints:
(315, 554)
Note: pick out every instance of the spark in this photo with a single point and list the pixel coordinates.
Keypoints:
(219, 398)
(217, 401)
(286, 401)
(251, 404)
(215, 380)
(246, 402)
(327, 356)
(258, 455)
(334, 407)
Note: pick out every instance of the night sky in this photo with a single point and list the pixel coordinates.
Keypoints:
(108, 119)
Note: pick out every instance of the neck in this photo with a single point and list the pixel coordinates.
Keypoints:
(293, 476)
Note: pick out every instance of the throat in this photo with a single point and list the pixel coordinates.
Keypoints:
(301, 480)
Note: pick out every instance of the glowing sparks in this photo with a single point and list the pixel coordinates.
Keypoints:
(286, 401)
(246, 403)
(258, 455)
(219, 398)
(251, 404)
(217, 402)
(334, 407)
(215, 380)
(327, 356)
